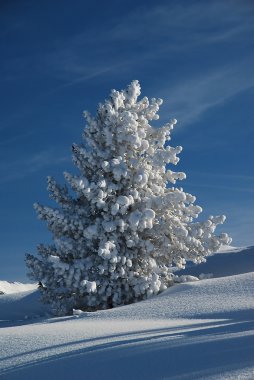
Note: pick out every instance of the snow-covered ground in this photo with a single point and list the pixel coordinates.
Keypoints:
(195, 330)
(15, 287)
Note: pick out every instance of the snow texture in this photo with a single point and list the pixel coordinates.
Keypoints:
(15, 287)
(196, 330)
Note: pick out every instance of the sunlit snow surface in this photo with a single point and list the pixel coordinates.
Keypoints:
(194, 330)
(15, 287)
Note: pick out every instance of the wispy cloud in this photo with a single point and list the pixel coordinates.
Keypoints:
(236, 183)
(29, 165)
(190, 99)
(223, 175)
(223, 187)
(189, 23)
(149, 34)
(156, 33)
(17, 138)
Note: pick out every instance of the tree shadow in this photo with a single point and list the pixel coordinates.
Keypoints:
(190, 351)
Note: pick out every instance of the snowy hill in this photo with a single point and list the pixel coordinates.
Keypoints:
(229, 261)
(195, 330)
(15, 287)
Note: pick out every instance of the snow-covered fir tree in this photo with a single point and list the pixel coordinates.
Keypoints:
(117, 240)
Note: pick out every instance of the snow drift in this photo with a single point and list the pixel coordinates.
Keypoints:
(196, 330)
(15, 287)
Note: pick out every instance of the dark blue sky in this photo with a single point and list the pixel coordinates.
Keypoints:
(61, 57)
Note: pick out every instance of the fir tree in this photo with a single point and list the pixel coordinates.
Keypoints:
(117, 240)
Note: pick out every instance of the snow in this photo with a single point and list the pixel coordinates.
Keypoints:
(230, 248)
(14, 287)
(194, 330)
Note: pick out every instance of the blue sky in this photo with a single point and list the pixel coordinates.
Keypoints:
(61, 57)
